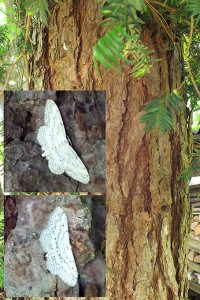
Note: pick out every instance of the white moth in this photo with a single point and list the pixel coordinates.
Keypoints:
(56, 244)
(60, 155)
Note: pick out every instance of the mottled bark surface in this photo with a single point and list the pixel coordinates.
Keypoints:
(26, 268)
(83, 115)
(147, 196)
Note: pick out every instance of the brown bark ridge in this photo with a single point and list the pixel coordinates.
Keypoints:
(148, 210)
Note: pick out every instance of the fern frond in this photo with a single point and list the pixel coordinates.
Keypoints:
(4, 40)
(193, 6)
(108, 50)
(161, 112)
(122, 44)
(123, 11)
(140, 55)
(118, 46)
(38, 6)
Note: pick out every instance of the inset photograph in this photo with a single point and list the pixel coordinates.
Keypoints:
(54, 141)
(54, 246)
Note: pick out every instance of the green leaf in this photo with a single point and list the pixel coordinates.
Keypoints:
(125, 11)
(113, 49)
(161, 112)
(100, 57)
(37, 6)
(122, 44)
(194, 7)
(108, 53)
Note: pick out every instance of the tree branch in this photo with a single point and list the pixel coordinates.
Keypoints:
(163, 5)
(168, 8)
(158, 16)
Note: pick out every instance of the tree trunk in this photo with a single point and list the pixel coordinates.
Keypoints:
(148, 210)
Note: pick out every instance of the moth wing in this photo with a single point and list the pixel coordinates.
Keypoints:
(68, 271)
(44, 138)
(57, 159)
(53, 121)
(60, 155)
(51, 136)
(74, 167)
(55, 241)
(67, 266)
(44, 240)
(52, 114)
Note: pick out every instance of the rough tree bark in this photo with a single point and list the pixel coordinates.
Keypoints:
(147, 197)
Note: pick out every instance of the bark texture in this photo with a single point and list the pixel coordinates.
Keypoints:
(25, 261)
(147, 196)
(83, 116)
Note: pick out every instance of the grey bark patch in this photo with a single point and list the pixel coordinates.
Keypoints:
(26, 271)
(83, 115)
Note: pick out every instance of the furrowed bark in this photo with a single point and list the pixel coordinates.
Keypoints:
(148, 210)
